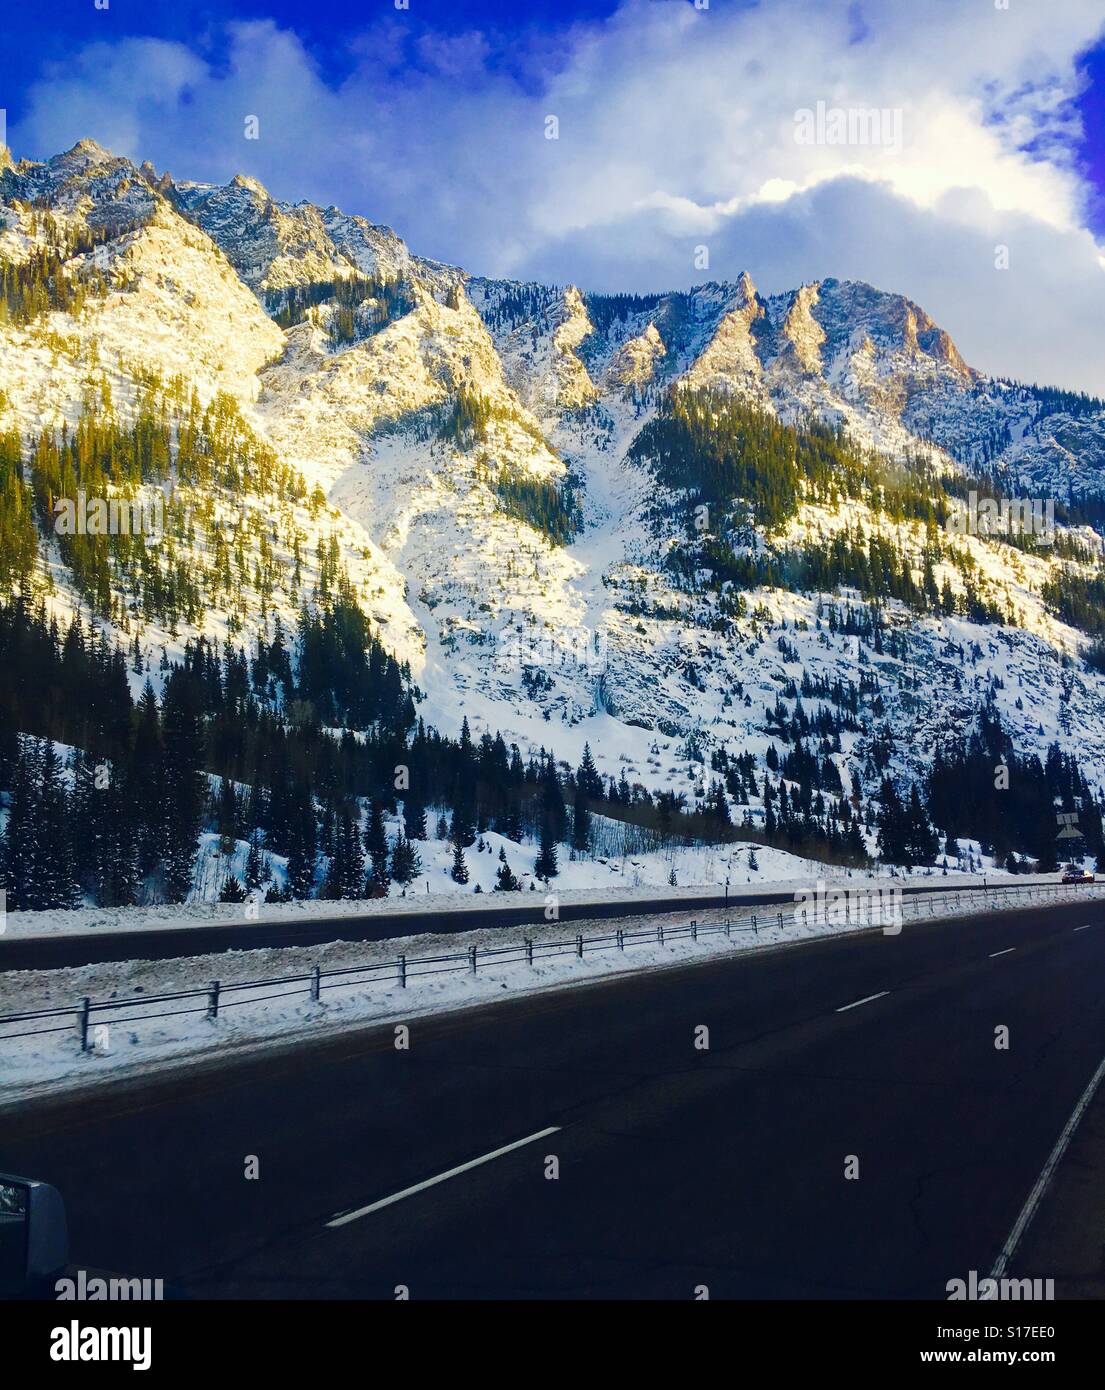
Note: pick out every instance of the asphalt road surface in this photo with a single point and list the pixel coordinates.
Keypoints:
(675, 1168)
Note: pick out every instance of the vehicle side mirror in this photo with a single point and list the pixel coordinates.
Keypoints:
(34, 1238)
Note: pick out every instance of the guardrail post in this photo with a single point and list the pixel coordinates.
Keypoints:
(694, 930)
(728, 933)
(780, 921)
(755, 925)
(82, 1021)
(402, 972)
(316, 984)
(660, 934)
(213, 999)
(472, 959)
(621, 939)
(579, 945)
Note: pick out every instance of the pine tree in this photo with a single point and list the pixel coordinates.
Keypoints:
(462, 832)
(254, 862)
(553, 811)
(56, 885)
(23, 833)
(375, 837)
(144, 793)
(406, 862)
(102, 833)
(414, 820)
(581, 824)
(228, 814)
(509, 824)
(118, 886)
(892, 827)
(346, 876)
(328, 832)
(302, 843)
(87, 832)
(232, 891)
(505, 881)
(459, 871)
(921, 840)
(378, 884)
(587, 777)
(546, 866)
(183, 783)
(718, 807)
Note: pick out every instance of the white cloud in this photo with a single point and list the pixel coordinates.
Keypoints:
(676, 126)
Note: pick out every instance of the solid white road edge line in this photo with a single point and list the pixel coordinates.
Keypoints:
(348, 1216)
(1028, 1211)
(866, 1000)
(1008, 951)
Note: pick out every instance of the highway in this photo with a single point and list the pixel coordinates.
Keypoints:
(577, 1143)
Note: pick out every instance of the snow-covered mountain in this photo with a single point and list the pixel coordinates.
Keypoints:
(473, 449)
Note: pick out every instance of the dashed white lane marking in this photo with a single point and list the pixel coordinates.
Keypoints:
(345, 1217)
(1028, 1211)
(1008, 950)
(1085, 928)
(865, 1000)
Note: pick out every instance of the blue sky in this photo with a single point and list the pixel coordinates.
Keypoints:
(1091, 106)
(327, 26)
(676, 132)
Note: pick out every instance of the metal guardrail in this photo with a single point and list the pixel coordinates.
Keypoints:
(401, 971)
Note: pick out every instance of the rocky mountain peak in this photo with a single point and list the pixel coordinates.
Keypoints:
(251, 185)
(801, 332)
(88, 150)
(746, 289)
